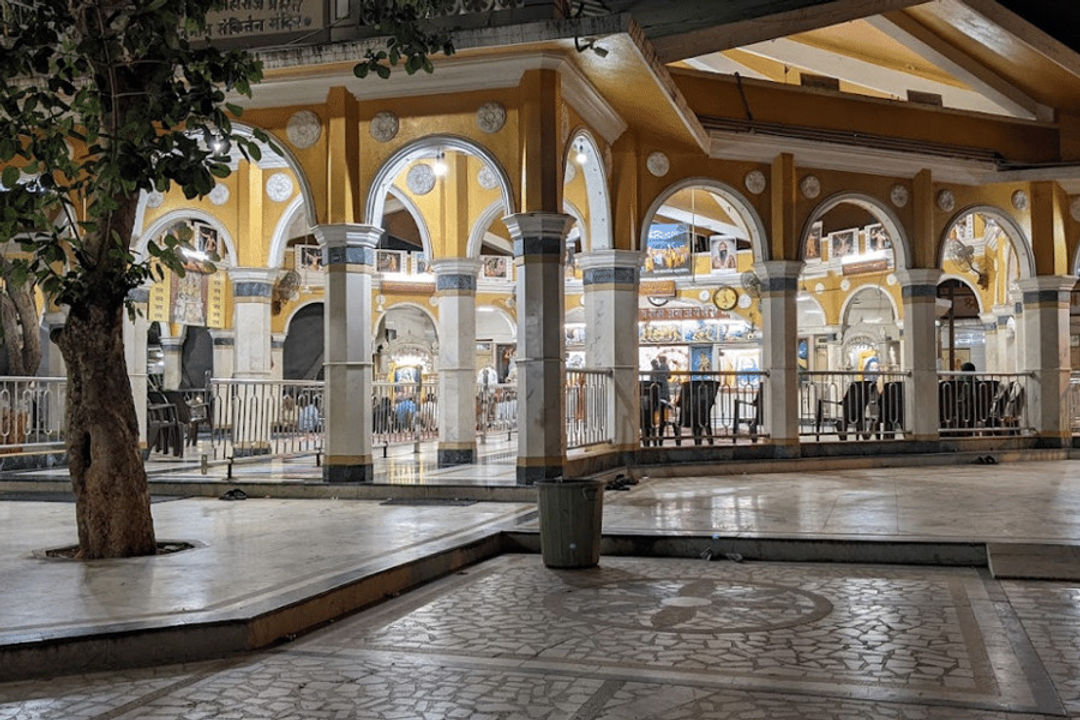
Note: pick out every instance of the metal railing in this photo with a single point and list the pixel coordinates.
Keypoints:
(405, 412)
(852, 405)
(976, 403)
(588, 407)
(1074, 403)
(701, 406)
(496, 410)
(32, 413)
(261, 417)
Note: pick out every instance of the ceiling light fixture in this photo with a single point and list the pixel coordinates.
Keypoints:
(581, 158)
(590, 44)
(439, 168)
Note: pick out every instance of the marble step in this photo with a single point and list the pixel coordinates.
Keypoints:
(1034, 561)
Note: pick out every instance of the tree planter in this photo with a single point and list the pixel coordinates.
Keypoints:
(571, 518)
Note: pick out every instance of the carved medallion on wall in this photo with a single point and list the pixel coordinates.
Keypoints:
(755, 181)
(384, 126)
(154, 199)
(303, 129)
(486, 178)
(279, 187)
(1020, 200)
(1074, 209)
(946, 200)
(219, 195)
(899, 195)
(491, 117)
(420, 179)
(658, 164)
(810, 186)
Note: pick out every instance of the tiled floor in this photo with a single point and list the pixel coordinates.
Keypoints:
(638, 638)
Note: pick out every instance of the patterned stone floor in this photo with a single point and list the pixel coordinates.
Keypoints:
(638, 638)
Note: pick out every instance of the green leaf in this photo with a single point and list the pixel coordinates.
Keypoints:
(10, 177)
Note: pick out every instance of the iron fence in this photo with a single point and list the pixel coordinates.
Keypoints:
(850, 405)
(974, 403)
(254, 417)
(588, 407)
(701, 406)
(32, 413)
(405, 412)
(496, 409)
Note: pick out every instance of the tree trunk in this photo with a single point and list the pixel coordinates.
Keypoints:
(112, 498)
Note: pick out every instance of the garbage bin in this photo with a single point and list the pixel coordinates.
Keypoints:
(571, 518)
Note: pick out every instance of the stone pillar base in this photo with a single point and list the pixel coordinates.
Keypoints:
(360, 473)
(451, 456)
(531, 474)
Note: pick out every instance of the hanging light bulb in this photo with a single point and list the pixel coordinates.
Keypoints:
(581, 158)
(439, 168)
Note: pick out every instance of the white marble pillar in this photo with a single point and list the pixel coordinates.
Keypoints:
(538, 248)
(455, 290)
(252, 288)
(135, 354)
(919, 351)
(990, 343)
(224, 353)
(1045, 321)
(834, 348)
(349, 259)
(779, 323)
(610, 280)
(55, 367)
(171, 351)
(277, 356)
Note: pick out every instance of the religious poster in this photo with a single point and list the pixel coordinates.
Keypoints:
(308, 257)
(389, 261)
(843, 243)
(877, 238)
(495, 267)
(701, 361)
(812, 248)
(667, 250)
(188, 299)
(723, 252)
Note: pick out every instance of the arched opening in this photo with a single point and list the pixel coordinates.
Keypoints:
(196, 358)
(851, 248)
(302, 354)
(699, 297)
(982, 255)
(405, 337)
(585, 185)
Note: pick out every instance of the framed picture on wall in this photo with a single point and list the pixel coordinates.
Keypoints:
(843, 243)
(390, 261)
(308, 257)
(723, 252)
(877, 238)
(812, 248)
(495, 267)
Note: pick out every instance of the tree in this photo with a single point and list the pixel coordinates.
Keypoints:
(101, 100)
(18, 323)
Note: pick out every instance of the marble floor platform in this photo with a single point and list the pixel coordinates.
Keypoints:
(636, 639)
(261, 552)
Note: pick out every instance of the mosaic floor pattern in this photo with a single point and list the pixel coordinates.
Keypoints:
(638, 638)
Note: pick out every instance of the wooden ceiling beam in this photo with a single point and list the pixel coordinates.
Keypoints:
(877, 77)
(1052, 48)
(922, 41)
(681, 29)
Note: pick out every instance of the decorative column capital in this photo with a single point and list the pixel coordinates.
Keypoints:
(455, 275)
(989, 321)
(277, 340)
(538, 233)
(171, 344)
(1046, 289)
(919, 277)
(348, 244)
(610, 267)
(779, 275)
(223, 337)
(250, 282)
